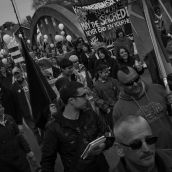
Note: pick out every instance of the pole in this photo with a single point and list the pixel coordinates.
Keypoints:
(156, 47)
(15, 11)
(166, 11)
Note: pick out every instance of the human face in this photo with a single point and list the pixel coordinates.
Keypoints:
(132, 84)
(53, 108)
(101, 55)
(123, 54)
(76, 64)
(104, 74)
(120, 35)
(80, 100)
(18, 75)
(68, 70)
(85, 49)
(3, 69)
(145, 155)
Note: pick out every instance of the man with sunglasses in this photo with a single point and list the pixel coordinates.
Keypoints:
(135, 144)
(147, 100)
(69, 135)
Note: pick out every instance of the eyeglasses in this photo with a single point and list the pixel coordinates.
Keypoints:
(131, 83)
(75, 61)
(83, 95)
(137, 144)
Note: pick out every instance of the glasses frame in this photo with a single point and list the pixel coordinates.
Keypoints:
(81, 96)
(150, 140)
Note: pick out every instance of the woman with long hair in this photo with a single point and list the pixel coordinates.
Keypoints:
(125, 59)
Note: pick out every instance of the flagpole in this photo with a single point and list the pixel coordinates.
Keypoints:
(155, 45)
(166, 11)
(15, 11)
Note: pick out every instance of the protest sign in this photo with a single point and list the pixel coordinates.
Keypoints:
(100, 21)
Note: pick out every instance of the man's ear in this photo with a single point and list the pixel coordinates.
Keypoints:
(119, 150)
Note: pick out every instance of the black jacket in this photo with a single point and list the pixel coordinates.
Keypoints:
(13, 148)
(7, 101)
(69, 138)
(20, 103)
(163, 159)
(89, 63)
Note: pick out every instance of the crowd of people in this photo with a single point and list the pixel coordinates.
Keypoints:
(98, 94)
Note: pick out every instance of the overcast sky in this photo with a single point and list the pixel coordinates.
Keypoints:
(7, 12)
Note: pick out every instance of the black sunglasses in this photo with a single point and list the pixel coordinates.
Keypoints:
(132, 82)
(137, 144)
(83, 95)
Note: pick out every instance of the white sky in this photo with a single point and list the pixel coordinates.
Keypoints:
(7, 12)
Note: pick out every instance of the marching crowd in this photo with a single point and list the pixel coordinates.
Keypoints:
(97, 94)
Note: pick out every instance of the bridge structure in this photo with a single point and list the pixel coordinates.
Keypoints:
(47, 18)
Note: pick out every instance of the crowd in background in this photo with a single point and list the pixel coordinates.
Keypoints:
(96, 89)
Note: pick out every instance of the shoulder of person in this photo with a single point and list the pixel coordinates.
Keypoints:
(165, 155)
(53, 126)
(156, 87)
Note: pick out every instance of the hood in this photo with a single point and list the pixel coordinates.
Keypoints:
(124, 96)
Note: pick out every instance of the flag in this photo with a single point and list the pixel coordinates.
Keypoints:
(164, 64)
(41, 93)
(15, 52)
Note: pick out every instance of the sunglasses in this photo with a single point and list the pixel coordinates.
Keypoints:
(131, 83)
(76, 61)
(137, 144)
(83, 95)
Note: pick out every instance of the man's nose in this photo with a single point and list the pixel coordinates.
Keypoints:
(135, 83)
(145, 147)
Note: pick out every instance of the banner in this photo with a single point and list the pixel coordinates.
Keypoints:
(101, 20)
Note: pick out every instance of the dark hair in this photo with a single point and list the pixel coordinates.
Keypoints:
(87, 45)
(70, 90)
(120, 60)
(118, 31)
(65, 63)
(105, 52)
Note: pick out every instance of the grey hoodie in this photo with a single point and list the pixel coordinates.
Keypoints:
(152, 105)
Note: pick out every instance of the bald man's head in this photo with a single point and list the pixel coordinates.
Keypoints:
(128, 127)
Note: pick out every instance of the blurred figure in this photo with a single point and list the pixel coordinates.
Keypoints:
(66, 73)
(87, 58)
(124, 59)
(105, 58)
(107, 90)
(23, 109)
(82, 75)
(5, 76)
(14, 149)
(122, 40)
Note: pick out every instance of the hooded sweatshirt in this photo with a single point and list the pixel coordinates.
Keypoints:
(152, 105)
